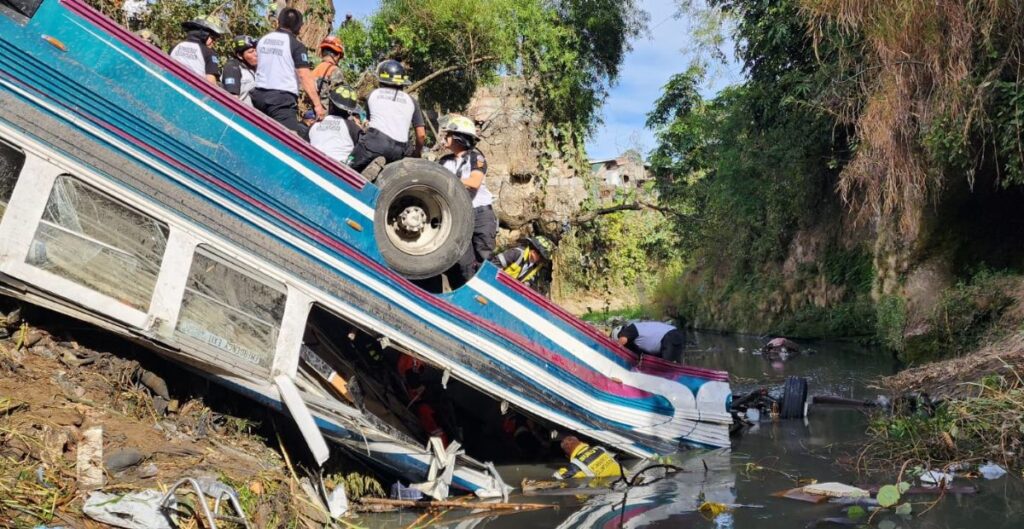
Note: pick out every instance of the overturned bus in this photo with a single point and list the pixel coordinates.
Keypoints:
(140, 198)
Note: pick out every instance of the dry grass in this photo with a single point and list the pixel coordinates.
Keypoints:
(985, 425)
(918, 64)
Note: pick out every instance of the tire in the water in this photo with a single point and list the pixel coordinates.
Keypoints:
(416, 177)
(794, 395)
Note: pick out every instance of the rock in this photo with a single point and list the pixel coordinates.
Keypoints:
(154, 383)
(122, 459)
(148, 470)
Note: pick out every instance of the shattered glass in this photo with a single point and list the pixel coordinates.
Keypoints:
(231, 310)
(89, 238)
(11, 162)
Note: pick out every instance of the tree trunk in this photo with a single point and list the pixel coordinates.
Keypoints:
(318, 16)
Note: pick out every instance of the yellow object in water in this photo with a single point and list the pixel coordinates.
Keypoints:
(590, 462)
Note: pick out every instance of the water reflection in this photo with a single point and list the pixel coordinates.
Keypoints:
(764, 460)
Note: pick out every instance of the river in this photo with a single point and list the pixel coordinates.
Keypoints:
(765, 459)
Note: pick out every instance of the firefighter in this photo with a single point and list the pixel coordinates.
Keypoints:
(524, 262)
(469, 164)
(391, 112)
(195, 51)
(328, 74)
(282, 69)
(240, 71)
(338, 133)
(587, 461)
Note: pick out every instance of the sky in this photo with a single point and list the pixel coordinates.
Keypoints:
(656, 56)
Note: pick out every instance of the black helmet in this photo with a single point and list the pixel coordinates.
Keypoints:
(344, 97)
(391, 72)
(242, 43)
(209, 24)
(543, 245)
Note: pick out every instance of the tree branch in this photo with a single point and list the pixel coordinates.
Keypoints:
(448, 69)
(635, 206)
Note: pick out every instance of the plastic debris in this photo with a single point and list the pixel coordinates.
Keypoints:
(991, 470)
(934, 477)
(401, 492)
(89, 464)
(135, 510)
(753, 415)
(835, 490)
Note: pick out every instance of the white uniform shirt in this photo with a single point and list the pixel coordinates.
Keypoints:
(463, 166)
(280, 53)
(332, 137)
(190, 54)
(392, 112)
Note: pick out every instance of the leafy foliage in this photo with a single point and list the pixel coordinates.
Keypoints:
(164, 18)
(570, 49)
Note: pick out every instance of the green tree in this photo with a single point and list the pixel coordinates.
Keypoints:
(570, 50)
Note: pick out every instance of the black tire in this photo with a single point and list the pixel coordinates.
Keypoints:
(794, 395)
(447, 210)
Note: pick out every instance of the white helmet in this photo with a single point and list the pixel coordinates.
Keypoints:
(460, 125)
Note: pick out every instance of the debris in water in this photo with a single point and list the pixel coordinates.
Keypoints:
(991, 470)
(836, 490)
(934, 477)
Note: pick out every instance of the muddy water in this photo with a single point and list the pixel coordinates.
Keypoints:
(765, 459)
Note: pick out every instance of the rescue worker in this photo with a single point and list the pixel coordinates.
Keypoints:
(338, 133)
(327, 74)
(426, 398)
(282, 68)
(195, 51)
(469, 164)
(239, 76)
(308, 119)
(525, 261)
(653, 338)
(390, 113)
(587, 461)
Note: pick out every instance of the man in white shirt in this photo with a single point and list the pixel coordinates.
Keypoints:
(469, 164)
(338, 133)
(391, 112)
(283, 66)
(194, 52)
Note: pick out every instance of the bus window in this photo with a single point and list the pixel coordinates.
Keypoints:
(231, 309)
(89, 238)
(11, 162)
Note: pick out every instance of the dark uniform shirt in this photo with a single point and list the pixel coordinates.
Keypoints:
(239, 79)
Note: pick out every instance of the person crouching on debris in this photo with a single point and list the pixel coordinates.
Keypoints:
(338, 133)
(195, 51)
(525, 261)
(469, 164)
(391, 112)
(587, 461)
(653, 338)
